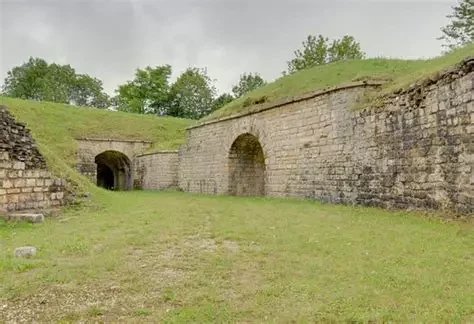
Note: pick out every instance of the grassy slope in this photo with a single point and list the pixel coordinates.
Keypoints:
(401, 73)
(54, 126)
(152, 257)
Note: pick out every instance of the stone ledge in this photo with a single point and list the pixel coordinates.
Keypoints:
(111, 140)
(158, 152)
(289, 100)
(32, 218)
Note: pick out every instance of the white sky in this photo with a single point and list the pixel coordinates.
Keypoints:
(109, 39)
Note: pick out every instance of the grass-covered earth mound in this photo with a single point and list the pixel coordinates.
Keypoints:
(396, 73)
(55, 127)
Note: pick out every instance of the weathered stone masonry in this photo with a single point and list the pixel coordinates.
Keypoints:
(416, 150)
(25, 182)
(157, 170)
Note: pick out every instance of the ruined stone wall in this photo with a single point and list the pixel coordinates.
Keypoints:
(416, 150)
(157, 170)
(25, 182)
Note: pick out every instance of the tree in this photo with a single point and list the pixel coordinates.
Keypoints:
(147, 93)
(192, 95)
(344, 49)
(247, 83)
(460, 31)
(27, 81)
(87, 91)
(221, 101)
(318, 51)
(36, 79)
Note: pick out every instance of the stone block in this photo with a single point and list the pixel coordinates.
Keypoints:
(13, 191)
(26, 190)
(30, 182)
(39, 182)
(4, 156)
(25, 252)
(5, 165)
(12, 198)
(19, 165)
(19, 183)
(7, 184)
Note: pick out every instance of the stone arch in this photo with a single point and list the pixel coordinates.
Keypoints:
(246, 167)
(113, 170)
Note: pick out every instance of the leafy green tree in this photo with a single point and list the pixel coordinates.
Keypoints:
(38, 80)
(147, 93)
(192, 95)
(88, 91)
(247, 83)
(344, 49)
(318, 50)
(460, 31)
(27, 81)
(221, 101)
(59, 83)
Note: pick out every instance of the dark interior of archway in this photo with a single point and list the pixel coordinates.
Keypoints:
(105, 177)
(246, 167)
(113, 170)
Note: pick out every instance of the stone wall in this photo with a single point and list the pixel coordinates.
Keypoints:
(158, 170)
(25, 182)
(114, 154)
(415, 151)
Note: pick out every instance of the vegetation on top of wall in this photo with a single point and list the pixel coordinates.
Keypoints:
(55, 126)
(397, 73)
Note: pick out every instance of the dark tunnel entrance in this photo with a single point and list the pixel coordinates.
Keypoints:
(113, 170)
(105, 177)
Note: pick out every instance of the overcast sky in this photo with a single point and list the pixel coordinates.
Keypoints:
(109, 39)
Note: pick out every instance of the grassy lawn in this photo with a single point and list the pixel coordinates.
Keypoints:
(167, 256)
(398, 74)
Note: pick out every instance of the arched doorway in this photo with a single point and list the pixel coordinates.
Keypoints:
(246, 167)
(113, 170)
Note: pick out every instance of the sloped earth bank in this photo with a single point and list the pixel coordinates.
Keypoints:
(153, 257)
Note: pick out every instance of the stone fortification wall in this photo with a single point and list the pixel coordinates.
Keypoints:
(158, 170)
(25, 182)
(415, 150)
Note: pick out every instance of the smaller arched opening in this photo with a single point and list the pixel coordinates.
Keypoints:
(246, 167)
(113, 170)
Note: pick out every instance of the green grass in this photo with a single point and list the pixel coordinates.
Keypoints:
(175, 257)
(399, 73)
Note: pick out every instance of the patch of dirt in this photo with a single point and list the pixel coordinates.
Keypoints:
(196, 242)
(231, 246)
(210, 245)
(47, 303)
